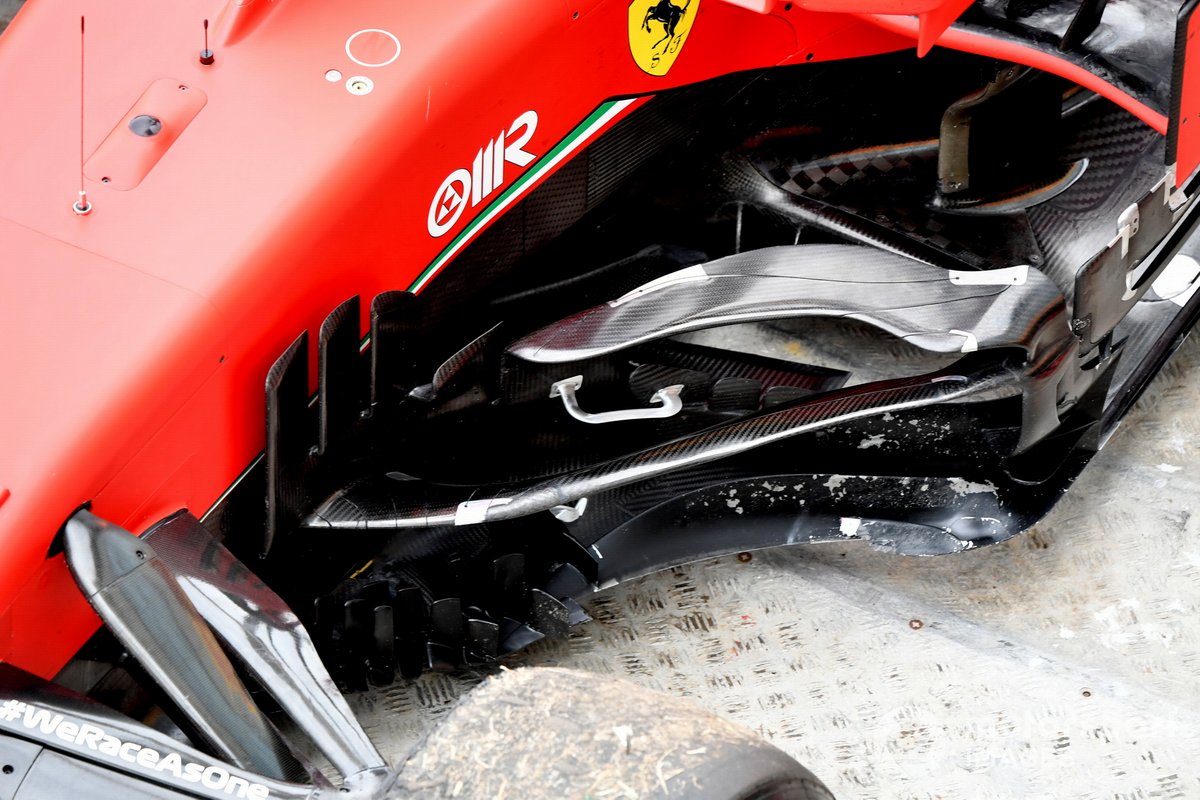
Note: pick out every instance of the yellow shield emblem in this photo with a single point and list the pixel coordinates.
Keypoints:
(658, 29)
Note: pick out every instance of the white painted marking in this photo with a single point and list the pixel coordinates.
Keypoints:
(1005, 276)
(694, 273)
(356, 34)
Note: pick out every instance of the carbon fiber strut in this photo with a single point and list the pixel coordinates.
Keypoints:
(268, 637)
(161, 593)
(133, 591)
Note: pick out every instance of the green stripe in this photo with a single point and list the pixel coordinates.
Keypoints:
(517, 186)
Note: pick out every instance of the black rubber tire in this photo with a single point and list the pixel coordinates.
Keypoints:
(557, 733)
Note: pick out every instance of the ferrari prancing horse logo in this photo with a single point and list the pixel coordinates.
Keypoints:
(658, 31)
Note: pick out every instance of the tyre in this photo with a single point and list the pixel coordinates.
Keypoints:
(558, 733)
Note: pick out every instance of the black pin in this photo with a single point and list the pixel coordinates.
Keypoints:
(206, 55)
(81, 206)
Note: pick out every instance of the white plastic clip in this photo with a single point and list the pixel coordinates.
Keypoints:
(1127, 227)
(570, 513)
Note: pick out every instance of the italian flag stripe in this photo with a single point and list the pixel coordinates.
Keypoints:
(594, 123)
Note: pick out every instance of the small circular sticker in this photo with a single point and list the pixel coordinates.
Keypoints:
(373, 47)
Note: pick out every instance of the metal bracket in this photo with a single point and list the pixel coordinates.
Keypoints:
(667, 396)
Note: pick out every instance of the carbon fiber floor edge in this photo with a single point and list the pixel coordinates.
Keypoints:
(1060, 664)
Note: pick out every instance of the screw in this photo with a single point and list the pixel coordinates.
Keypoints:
(916, 624)
(744, 558)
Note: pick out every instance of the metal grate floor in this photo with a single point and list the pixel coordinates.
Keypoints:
(1063, 663)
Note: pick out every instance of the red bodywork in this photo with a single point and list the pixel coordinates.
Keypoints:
(136, 338)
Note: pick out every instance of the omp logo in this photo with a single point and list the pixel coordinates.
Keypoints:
(82, 734)
(485, 176)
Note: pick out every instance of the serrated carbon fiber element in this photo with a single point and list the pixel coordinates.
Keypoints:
(445, 612)
(134, 592)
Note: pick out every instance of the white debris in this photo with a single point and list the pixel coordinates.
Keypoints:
(835, 482)
(962, 487)
(871, 441)
(1169, 468)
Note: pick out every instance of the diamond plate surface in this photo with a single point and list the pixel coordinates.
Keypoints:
(1061, 664)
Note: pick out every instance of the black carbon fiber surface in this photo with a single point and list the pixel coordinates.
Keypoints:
(913, 301)
(350, 510)
(1124, 161)
(737, 437)
(1132, 47)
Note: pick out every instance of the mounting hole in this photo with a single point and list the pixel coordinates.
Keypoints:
(787, 6)
(141, 554)
(333, 75)
(808, 57)
(182, 88)
(7, 769)
(373, 47)
(359, 84)
(106, 179)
